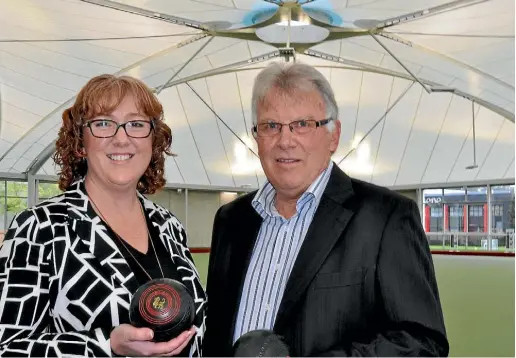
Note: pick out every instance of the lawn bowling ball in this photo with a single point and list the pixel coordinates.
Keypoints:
(260, 343)
(163, 305)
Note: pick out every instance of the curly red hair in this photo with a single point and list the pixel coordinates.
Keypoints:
(100, 96)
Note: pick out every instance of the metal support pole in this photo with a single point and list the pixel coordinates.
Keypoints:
(6, 224)
(32, 190)
(467, 215)
(158, 91)
(400, 63)
(377, 122)
(419, 194)
(489, 217)
(474, 136)
(186, 210)
(443, 218)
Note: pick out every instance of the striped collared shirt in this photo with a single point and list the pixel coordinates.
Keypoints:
(274, 254)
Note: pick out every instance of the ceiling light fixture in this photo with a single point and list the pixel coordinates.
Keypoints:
(293, 23)
(244, 162)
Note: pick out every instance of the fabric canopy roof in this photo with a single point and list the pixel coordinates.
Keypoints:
(409, 77)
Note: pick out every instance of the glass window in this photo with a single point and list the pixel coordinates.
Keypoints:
(454, 217)
(3, 224)
(436, 212)
(16, 200)
(17, 189)
(461, 209)
(477, 219)
(497, 209)
(501, 193)
(454, 195)
(14, 206)
(432, 196)
(476, 210)
(48, 190)
(502, 209)
(457, 210)
(477, 194)
(433, 210)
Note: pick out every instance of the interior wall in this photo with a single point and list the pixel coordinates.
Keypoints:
(173, 200)
(202, 207)
(411, 194)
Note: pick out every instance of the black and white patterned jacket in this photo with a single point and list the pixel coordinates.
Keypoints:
(64, 284)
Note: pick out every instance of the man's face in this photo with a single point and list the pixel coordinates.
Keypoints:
(293, 161)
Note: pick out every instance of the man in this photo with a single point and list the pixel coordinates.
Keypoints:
(334, 265)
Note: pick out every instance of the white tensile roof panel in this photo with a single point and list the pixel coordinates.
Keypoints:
(208, 55)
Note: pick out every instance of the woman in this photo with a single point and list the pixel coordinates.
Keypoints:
(70, 265)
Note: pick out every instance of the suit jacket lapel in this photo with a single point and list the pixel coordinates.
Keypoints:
(329, 221)
(94, 243)
(243, 240)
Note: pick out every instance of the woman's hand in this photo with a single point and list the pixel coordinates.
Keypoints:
(127, 340)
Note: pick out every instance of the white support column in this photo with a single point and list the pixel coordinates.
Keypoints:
(32, 190)
(420, 205)
(489, 217)
(6, 223)
(400, 63)
(444, 216)
(186, 210)
(466, 228)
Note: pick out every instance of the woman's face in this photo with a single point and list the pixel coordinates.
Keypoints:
(118, 162)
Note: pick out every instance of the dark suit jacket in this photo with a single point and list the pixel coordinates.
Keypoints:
(362, 284)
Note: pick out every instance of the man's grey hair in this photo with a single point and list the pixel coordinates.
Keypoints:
(290, 78)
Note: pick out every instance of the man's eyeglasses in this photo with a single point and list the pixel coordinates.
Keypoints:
(107, 128)
(303, 126)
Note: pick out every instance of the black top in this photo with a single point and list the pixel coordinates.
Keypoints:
(148, 260)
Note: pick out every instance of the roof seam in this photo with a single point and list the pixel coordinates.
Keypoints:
(416, 111)
(490, 149)
(383, 126)
(436, 139)
(218, 127)
(192, 133)
(44, 64)
(509, 167)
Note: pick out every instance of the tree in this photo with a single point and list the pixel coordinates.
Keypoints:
(17, 193)
(16, 196)
(48, 190)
